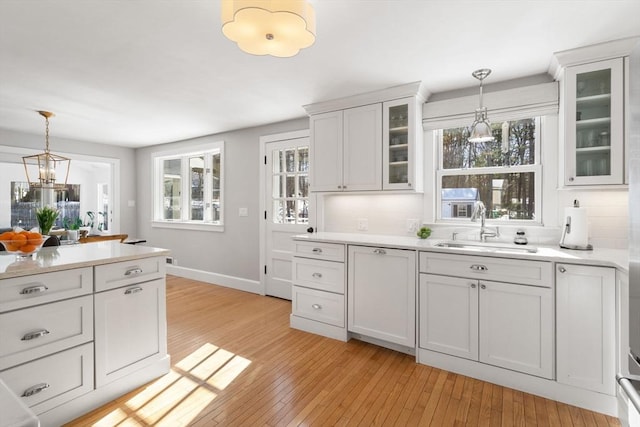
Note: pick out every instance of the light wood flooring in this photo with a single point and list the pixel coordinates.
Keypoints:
(236, 362)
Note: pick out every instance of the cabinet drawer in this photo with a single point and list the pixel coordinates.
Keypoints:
(326, 251)
(25, 291)
(536, 273)
(38, 331)
(322, 306)
(48, 382)
(111, 276)
(319, 274)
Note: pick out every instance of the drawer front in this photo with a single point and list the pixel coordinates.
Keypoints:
(318, 274)
(322, 306)
(38, 331)
(25, 291)
(111, 276)
(536, 273)
(53, 380)
(317, 250)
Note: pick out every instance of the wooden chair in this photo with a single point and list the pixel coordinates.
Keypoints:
(103, 237)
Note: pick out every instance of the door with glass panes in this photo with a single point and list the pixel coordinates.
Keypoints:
(288, 209)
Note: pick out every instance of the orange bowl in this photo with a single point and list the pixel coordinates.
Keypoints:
(24, 245)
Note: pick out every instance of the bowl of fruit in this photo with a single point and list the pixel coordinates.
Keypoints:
(22, 243)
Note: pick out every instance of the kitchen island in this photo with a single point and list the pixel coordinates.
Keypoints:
(81, 325)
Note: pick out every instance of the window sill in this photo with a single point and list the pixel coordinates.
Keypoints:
(183, 225)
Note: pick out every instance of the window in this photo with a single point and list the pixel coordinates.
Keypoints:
(291, 185)
(188, 188)
(505, 174)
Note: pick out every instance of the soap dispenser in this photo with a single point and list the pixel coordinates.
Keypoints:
(520, 238)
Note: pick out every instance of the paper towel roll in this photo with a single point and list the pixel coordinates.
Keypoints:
(577, 233)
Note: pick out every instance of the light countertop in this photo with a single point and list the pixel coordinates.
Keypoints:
(617, 258)
(55, 258)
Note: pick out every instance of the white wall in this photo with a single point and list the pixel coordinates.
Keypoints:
(232, 255)
(69, 147)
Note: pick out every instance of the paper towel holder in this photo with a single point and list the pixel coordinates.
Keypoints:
(567, 230)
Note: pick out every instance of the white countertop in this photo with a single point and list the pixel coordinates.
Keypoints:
(55, 258)
(617, 258)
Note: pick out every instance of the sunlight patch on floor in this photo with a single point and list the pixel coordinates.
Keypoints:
(177, 398)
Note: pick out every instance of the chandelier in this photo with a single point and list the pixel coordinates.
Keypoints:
(481, 127)
(269, 27)
(45, 165)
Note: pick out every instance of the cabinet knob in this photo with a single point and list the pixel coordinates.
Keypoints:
(33, 290)
(483, 286)
(34, 335)
(473, 286)
(561, 269)
(316, 307)
(35, 389)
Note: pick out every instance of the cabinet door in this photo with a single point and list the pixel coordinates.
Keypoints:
(362, 166)
(130, 329)
(381, 294)
(585, 317)
(401, 145)
(449, 315)
(594, 123)
(516, 327)
(326, 151)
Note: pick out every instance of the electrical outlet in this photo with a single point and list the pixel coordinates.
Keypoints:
(171, 260)
(412, 225)
(363, 224)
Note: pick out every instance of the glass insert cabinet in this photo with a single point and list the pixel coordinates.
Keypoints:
(594, 137)
(401, 145)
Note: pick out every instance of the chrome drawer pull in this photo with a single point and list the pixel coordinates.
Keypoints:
(562, 269)
(316, 307)
(483, 286)
(317, 275)
(133, 290)
(380, 251)
(34, 335)
(33, 290)
(317, 251)
(35, 389)
(132, 271)
(479, 267)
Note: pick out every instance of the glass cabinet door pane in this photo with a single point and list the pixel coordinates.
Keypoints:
(593, 123)
(398, 144)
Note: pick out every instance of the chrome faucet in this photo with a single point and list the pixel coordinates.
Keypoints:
(480, 211)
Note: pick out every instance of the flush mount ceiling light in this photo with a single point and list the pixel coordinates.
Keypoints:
(46, 165)
(481, 127)
(269, 27)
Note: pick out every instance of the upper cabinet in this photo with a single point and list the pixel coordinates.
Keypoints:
(594, 123)
(369, 142)
(592, 135)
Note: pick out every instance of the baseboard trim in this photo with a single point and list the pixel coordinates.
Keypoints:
(238, 283)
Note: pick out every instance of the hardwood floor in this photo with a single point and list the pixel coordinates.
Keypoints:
(236, 362)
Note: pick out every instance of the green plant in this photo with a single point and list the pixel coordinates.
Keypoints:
(46, 217)
(424, 232)
(72, 224)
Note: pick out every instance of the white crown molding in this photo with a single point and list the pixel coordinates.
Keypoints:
(396, 92)
(597, 52)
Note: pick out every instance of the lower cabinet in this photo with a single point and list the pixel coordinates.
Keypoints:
(502, 324)
(382, 294)
(130, 329)
(585, 325)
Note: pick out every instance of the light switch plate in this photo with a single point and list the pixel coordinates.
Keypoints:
(363, 224)
(243, 212)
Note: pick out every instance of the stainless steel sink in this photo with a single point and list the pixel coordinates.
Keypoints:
(487, 247)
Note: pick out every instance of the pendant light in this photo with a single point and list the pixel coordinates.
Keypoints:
(481, 127)
(46, 166)
(269, 27)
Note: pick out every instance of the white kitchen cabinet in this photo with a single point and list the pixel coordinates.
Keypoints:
(449, 315)
(318, 294)
(402, 144)
(585, 325)
(501, 322)
(593, 123)
(130, 329)
(346, 149)
(381, 294)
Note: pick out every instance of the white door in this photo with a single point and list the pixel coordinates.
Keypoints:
(287, 208)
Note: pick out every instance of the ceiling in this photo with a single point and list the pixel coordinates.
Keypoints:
(143, 72)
